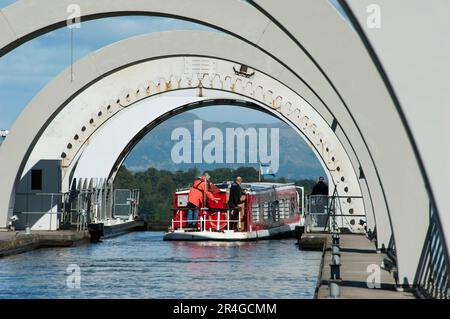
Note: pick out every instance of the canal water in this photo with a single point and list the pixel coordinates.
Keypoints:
(142, 265)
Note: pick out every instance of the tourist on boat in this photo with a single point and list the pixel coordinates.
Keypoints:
(321, 188)
(237, 197)
(198, 193)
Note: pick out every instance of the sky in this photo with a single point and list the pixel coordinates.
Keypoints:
(27, 69)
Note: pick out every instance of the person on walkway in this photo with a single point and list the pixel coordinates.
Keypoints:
(198, 194)
(236, 198)
(321, 188)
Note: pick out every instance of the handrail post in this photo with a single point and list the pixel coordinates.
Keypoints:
(218, 220)
(228, 219)
(181, 220)
(239, 218)
(51, 211)
(205, 212)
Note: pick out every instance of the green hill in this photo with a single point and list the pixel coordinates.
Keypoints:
(297, 160)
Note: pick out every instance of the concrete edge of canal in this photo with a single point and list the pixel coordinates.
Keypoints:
(12, 243)
(363, 273)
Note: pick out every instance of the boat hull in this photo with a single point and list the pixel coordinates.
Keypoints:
(276, 232)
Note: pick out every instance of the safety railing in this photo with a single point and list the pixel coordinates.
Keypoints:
(125, 202)
(78, 210)
(69, 210)
(434, 273)
(82, 220)
(324, 212)
(97, 205)
(204, 219)
(316, 213)
(50, 208)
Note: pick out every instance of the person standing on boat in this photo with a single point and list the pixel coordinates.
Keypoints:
(321, 188)
(198, 193)
(237, 197)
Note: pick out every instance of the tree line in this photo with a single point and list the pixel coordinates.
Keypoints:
(157, 187)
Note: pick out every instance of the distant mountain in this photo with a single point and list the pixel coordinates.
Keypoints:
(297, 160)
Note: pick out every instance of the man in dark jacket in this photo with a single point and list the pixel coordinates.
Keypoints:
(236, 195)
(321, 188)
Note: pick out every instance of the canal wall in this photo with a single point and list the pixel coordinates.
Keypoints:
(18, 242)
(123, 228)
(157, 225)
(14, 242)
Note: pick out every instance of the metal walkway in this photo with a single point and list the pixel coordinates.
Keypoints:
(357, 254)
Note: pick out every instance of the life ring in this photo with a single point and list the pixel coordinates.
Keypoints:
(212, 220)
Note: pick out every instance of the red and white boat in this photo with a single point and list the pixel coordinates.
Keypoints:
(270, 210)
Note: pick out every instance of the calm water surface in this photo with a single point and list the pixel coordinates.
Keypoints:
(142, 265)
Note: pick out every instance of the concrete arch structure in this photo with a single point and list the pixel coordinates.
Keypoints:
(298, 48)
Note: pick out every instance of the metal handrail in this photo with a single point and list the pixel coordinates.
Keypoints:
(337, 196)
(434, 275)
(331, 206)
(205, 208)
(78, 207)
(52, 202)
(204, 220)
